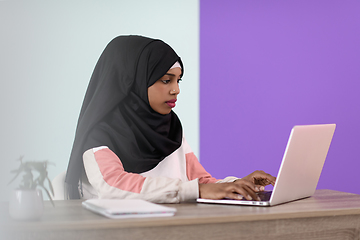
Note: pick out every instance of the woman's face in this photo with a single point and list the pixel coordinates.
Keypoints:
(163, 93)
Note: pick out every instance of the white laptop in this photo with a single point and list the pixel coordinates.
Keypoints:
(300, 169)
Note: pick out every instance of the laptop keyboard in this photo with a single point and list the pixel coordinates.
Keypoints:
(264, 196)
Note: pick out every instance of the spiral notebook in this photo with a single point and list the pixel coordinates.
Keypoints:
(127, 208)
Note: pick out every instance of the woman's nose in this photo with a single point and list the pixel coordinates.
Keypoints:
(175, 89)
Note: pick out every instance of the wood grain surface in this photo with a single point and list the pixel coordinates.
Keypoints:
(326, 215)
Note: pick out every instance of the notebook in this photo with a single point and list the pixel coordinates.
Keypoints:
(127, 208)
(300, 168)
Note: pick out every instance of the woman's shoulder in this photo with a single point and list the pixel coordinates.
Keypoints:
(185, 145)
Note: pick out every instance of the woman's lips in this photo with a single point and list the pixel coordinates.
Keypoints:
(171, 103)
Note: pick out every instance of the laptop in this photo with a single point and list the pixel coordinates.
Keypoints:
(300, 168)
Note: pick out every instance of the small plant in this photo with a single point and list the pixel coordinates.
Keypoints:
(28, 182)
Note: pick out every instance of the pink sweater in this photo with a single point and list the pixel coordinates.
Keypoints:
(173, 180)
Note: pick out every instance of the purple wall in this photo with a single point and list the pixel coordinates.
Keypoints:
(269, 65)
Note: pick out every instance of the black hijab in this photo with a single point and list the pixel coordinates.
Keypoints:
(116, 110)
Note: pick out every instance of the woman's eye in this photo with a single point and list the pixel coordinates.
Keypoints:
(165, 81)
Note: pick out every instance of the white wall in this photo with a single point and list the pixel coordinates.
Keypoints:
(48, 50)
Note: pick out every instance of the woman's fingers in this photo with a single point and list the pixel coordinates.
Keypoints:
(263, 181)
(246, 189)
(239, 189)
(261, 178)
(260, 188)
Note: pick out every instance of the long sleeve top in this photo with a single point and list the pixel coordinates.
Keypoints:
(175, 179)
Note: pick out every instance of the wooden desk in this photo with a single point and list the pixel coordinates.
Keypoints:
(327, 215)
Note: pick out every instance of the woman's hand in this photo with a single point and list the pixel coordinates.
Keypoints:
(260, 179)
(246, 187)
(234, 190)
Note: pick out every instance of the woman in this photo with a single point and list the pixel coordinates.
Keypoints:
(130, 144)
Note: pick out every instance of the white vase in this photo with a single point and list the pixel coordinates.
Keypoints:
(26, 204)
